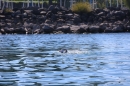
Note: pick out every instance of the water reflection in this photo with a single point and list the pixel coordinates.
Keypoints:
(92, 60)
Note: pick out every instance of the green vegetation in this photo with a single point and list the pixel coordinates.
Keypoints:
(127, 2)
(81, 7)
(7, 10)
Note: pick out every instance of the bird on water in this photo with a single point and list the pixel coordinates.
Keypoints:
(63, 51)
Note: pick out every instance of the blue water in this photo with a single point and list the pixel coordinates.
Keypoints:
(91, 60)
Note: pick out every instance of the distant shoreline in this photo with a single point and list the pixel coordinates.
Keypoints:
(34, 20)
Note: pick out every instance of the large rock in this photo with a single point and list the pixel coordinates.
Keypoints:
(20, 30)
(48, 21)
(47, 28)
(2, 17)
(102, 27)
(77, 19)
(108, 30)
(94, 29)
(9, 30)
(83, 28)
(53, 9)
(117, 28)
(36, 29)
(69, 16)
(77, 29)
(64, 29)
(28, 30)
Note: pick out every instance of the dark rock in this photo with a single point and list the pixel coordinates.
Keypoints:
(77, 19)
(47, 28)
(117, 28)
(54, 17)
(20, 30)
(98, 10)
(49, 14)
(2, 24)
(77, 29)
(2, 17)
(48, 21)
(43, 13)
(94, 29)
(102, 27)
(36, 12)
(69, 16)
(83, 28)
(36, 29)
(64, 29)
(8, 30)
(15, 9)
(100, 14)
(108, 30)
(28, 30)
(51, 8)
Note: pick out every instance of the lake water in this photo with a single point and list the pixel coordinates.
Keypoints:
(91, 60)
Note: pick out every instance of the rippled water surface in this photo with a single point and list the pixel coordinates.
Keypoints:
(91, 60)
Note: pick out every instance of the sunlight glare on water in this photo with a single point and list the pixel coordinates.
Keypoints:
(91, 60)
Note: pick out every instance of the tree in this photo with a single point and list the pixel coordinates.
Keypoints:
(127, 3)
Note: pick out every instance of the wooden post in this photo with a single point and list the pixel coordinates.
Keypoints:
(23, 5)
(64, 2)
(28, 3)
(117, 3)
(93, 4)
(12, 6)
(121, 4)
(7, 3)
(42, 3)
(3, 6)
(60, 3)
(110, 3)
(32, 2)
(0, 4)
(38, 3)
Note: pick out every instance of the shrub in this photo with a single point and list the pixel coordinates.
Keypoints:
(7, 10)
(81, 7)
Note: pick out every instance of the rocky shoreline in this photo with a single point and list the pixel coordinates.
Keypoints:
(56, 19)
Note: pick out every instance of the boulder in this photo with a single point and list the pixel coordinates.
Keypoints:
(43, 13)
(53, 9)
(49, 14)
(54, 17)
(2, 17)
(76, 19)
(48, 21)
(102, 27)
(20, 30)
(8, 30)
(108, 30)
(117, 28)
(77, 29)
(64, 29)
(83, 28)
(69, 16)
(47, 28)
(28, 30)
(94, 29)
(36, 29)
